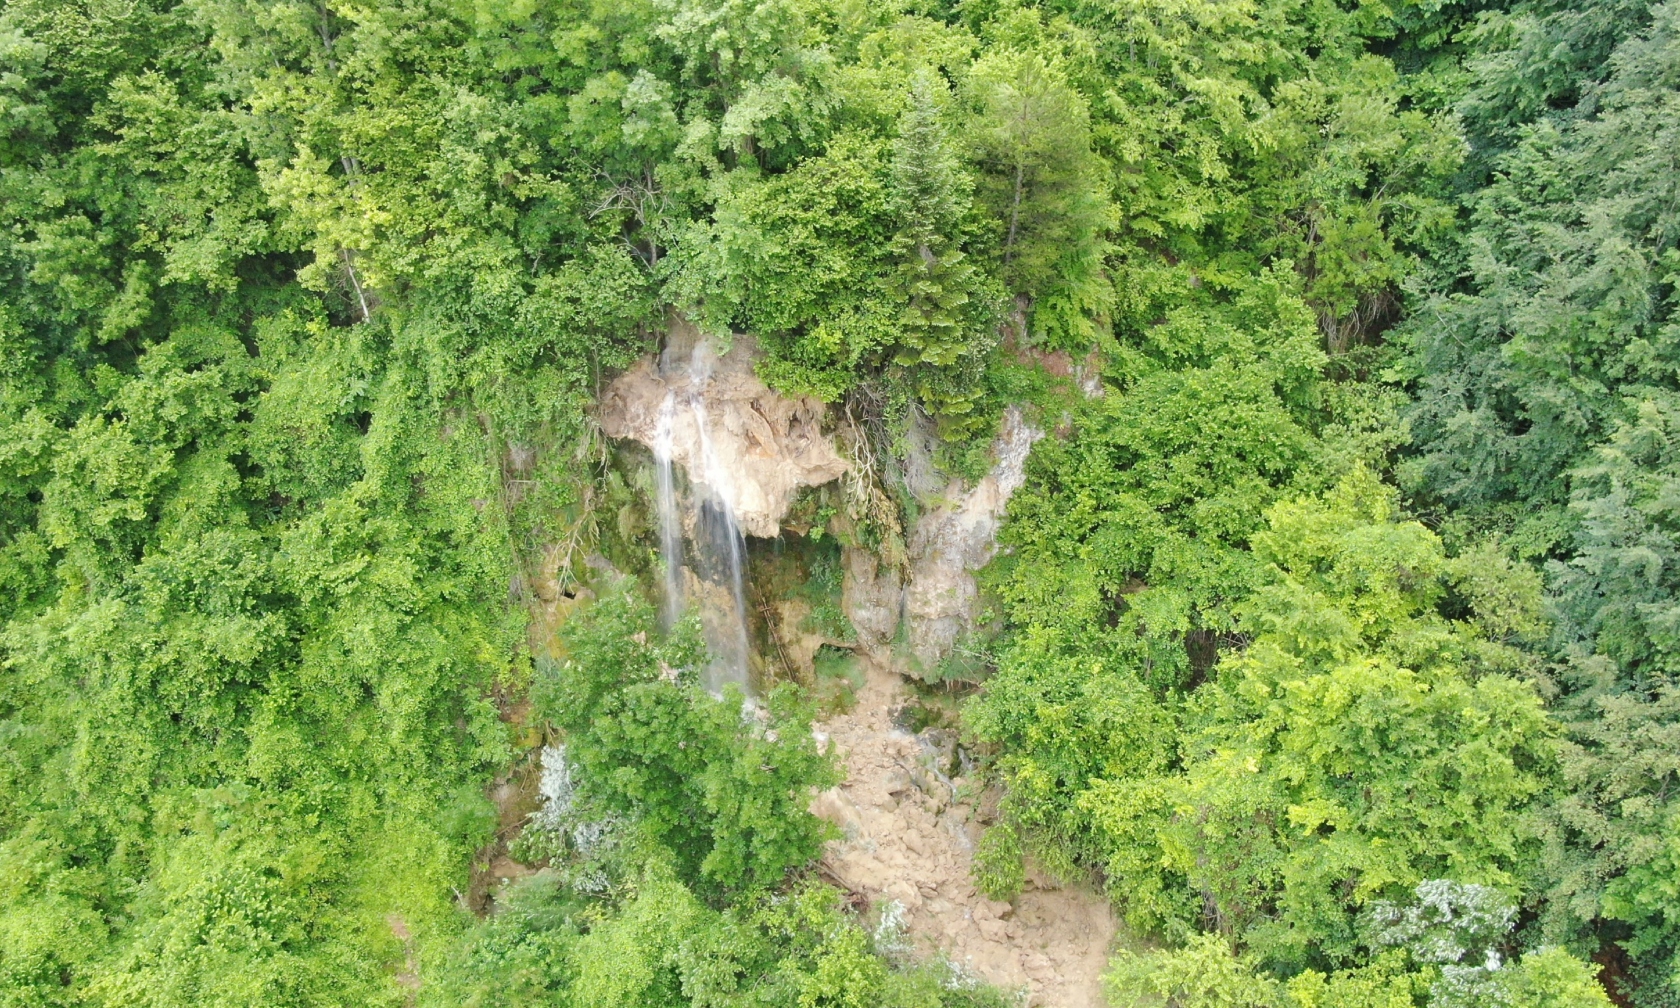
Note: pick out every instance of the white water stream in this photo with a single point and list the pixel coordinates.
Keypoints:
(670, 526)
(718, 550)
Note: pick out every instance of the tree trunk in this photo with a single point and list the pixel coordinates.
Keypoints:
(1015, 210)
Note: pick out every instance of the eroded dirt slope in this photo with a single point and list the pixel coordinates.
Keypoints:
(906, 840)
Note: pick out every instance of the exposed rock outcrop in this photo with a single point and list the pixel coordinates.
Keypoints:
(769, 444)
(872, 597)
(957, 538)
(953, 539)
(756, 449)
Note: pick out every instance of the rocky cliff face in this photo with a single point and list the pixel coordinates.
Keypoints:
(938, 601)
(955, 539)
(756, 448)
(872, 597)
(768, 444)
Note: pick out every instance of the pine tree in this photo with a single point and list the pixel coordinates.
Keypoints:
(934, 277)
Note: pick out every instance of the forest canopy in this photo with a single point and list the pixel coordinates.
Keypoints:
(1335, 632)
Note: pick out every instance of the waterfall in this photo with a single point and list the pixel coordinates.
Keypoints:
(670, 526)
(718, 549)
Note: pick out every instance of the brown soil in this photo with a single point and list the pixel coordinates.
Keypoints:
(515, 796)
(909, 838)
(408, 977)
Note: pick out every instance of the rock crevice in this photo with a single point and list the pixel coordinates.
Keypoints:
(938, 602)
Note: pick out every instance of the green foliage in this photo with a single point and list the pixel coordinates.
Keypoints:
(1361, 773)
(304, 309)
(1359, 744)
(932, 194)
(727, 798)
(1134, 531)
(1612, 591)
(1611, 831)
(999, 868)
(1045, 187)
(1542, 357)
(659, 945)
(521, 957)
(1235, 134)
(1266, 794)
(320, 651)
(1552, 978)
(1205, 974)
(1566, 257)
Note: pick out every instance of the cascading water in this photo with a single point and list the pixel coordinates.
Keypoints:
(718, 549)
(670, 526)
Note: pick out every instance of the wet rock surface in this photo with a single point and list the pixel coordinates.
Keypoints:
(938, 603)
(771, 445)
(872, 597)
(909, 828)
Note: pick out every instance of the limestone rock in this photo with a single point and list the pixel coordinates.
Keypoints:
(1050, 945)
(957, 538)
(836, 807)
(770, 445)
(871, 596)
